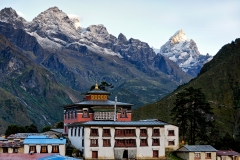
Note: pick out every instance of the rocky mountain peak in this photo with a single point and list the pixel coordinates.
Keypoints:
(54, 25)
(122, 38)
(97, 29)
(9, 15)
(179, 36)
(184, 52)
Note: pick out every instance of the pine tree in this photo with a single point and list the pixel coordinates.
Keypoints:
(193, 114)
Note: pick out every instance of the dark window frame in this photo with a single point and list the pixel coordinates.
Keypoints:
(44, 149)
(155, 142)
(55, 149)
(123, 113)
(93, 142)
(171, 133)
(106, 142)
(94, 132)
(143, 132)
(106, 133)
(156, 132)
(143, 142)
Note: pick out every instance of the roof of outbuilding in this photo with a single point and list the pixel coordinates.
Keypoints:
(3, 139)
(227, 153)
(196, 148)
(118, 123)
(43, 140)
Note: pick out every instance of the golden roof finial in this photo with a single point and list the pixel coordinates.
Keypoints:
(96, 86)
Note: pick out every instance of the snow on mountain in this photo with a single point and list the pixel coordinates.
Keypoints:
(75, 19)
(184, 52)
(9, 15)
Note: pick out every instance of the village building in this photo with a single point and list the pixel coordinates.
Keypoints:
(227, 155)
(44, 144)
(11, 147)
(197, 152)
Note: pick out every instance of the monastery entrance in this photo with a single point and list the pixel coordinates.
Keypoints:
(125, 154)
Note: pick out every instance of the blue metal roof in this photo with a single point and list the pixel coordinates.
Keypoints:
(105, 103)
(199, 148)
(3, 139)
(42, 140)
(116, 123)
(57, 157)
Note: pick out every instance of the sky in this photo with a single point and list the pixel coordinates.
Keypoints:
(210, 23)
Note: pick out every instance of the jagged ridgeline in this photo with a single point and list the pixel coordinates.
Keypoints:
(220, 82)
(59, 59)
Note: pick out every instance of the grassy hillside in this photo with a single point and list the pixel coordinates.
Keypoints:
(220, 82)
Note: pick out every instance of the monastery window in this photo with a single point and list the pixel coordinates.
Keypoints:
(104, 115)
(208, 156)
(82, 132)
(197, 155)
(143, 132)
(171, 143)
(55, 149)
(85, 113)
(75, 131)
(125, 132)
(119, 132)
(125, 143)
(75, 113)
(72, 115)
(32, 149)
(106, 143)
(123, 113)
(130, 142)
(82, 142)
(156, 132)
(65, 114)
(93, 143)
(68, 113)
(79, 131)
(156, 142)
(143, 142)
(94, 132)
(44, 149)
(71, 131)
(129, 132)
(119, 143)
(106, 133)
(171, 133)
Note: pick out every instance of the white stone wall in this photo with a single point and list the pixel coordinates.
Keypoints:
(174, 138)
(76, 140)
(108, 152)
(26, 148)
(62, 149)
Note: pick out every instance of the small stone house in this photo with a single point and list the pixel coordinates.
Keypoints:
(228, 155)
(44, 144)
(197, 152)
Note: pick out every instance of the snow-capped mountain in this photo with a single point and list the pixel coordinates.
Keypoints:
(184, 52)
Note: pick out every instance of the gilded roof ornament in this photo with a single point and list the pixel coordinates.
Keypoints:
(96, 87)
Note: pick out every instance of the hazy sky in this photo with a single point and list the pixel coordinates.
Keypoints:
(210, 23)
